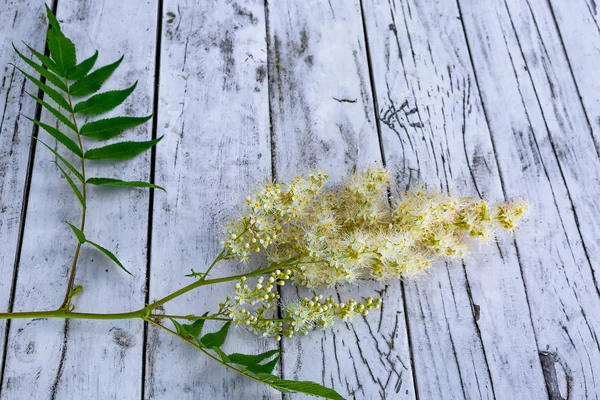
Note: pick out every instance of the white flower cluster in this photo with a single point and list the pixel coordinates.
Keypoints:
(251, 307)
(340, 234)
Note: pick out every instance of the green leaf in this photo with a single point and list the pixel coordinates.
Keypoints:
(266, 368)
(54, 95)
(46, 61)
(215, 339)
(118, 182)
(249, 360)
(306, 387)
(52, 19)
(267, 378)
(72, 184)
(58, 135)
(51, 77)
(93, 82)
(221, 353)
(120, 151)
(105, 129)
(103, 102)
(61, 158)
(109, 255)
(62, 50)
(80, 235)
(195, 329)
(81, 69)
(54, 112)
(180, 329)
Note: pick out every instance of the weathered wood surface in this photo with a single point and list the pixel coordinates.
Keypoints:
(214, 112)
(50, 358)
(466, 340)
(497, 99)
(19, 20)
(322, 122)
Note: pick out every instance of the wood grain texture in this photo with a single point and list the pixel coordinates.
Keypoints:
(545, 152)
(578, 24)
(323, 117)
(54, 359)
(471, 336)
(214, 113)
(489, 98)
(18, 19)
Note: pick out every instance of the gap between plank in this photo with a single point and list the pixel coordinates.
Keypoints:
(157, 55)
(273, 170)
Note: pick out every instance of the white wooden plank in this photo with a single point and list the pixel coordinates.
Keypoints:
(470, 324)
(578, 25)
(323, 117)
(214, 113)
(19, 20)
(545, 151)
(52, 359)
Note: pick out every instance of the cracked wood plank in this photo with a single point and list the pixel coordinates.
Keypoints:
(18, 20)
(54, 359)
(545, 151)
(214, 112)
(575, 20)
(322, 117)
(472, 335)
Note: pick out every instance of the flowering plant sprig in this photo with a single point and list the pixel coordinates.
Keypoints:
(313, 235)
(340, 235)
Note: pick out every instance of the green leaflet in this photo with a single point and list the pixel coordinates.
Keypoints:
(78, 234)
(306, 387)
(105, 129)
(118, 182)
(50, 77)
(249, 360)
(81, 69)
(215, 339)
(62, 159)
(195, 329)
(224, 357)
(46, 61)
(109, 255)
(52, 19)
(72, 184)
(120, 151)
(54, 112)
(179, 328)
(54, 95)
(62, 50)
(103, 102)
(58, 135)
(189, 331)
(267, 378)
(93, 82)
(266, 368)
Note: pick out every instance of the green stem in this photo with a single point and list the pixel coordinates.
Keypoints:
(60, 313)
(67, 300)
(143, 313)
(189, 317)
(231, 367)
(205, 282)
